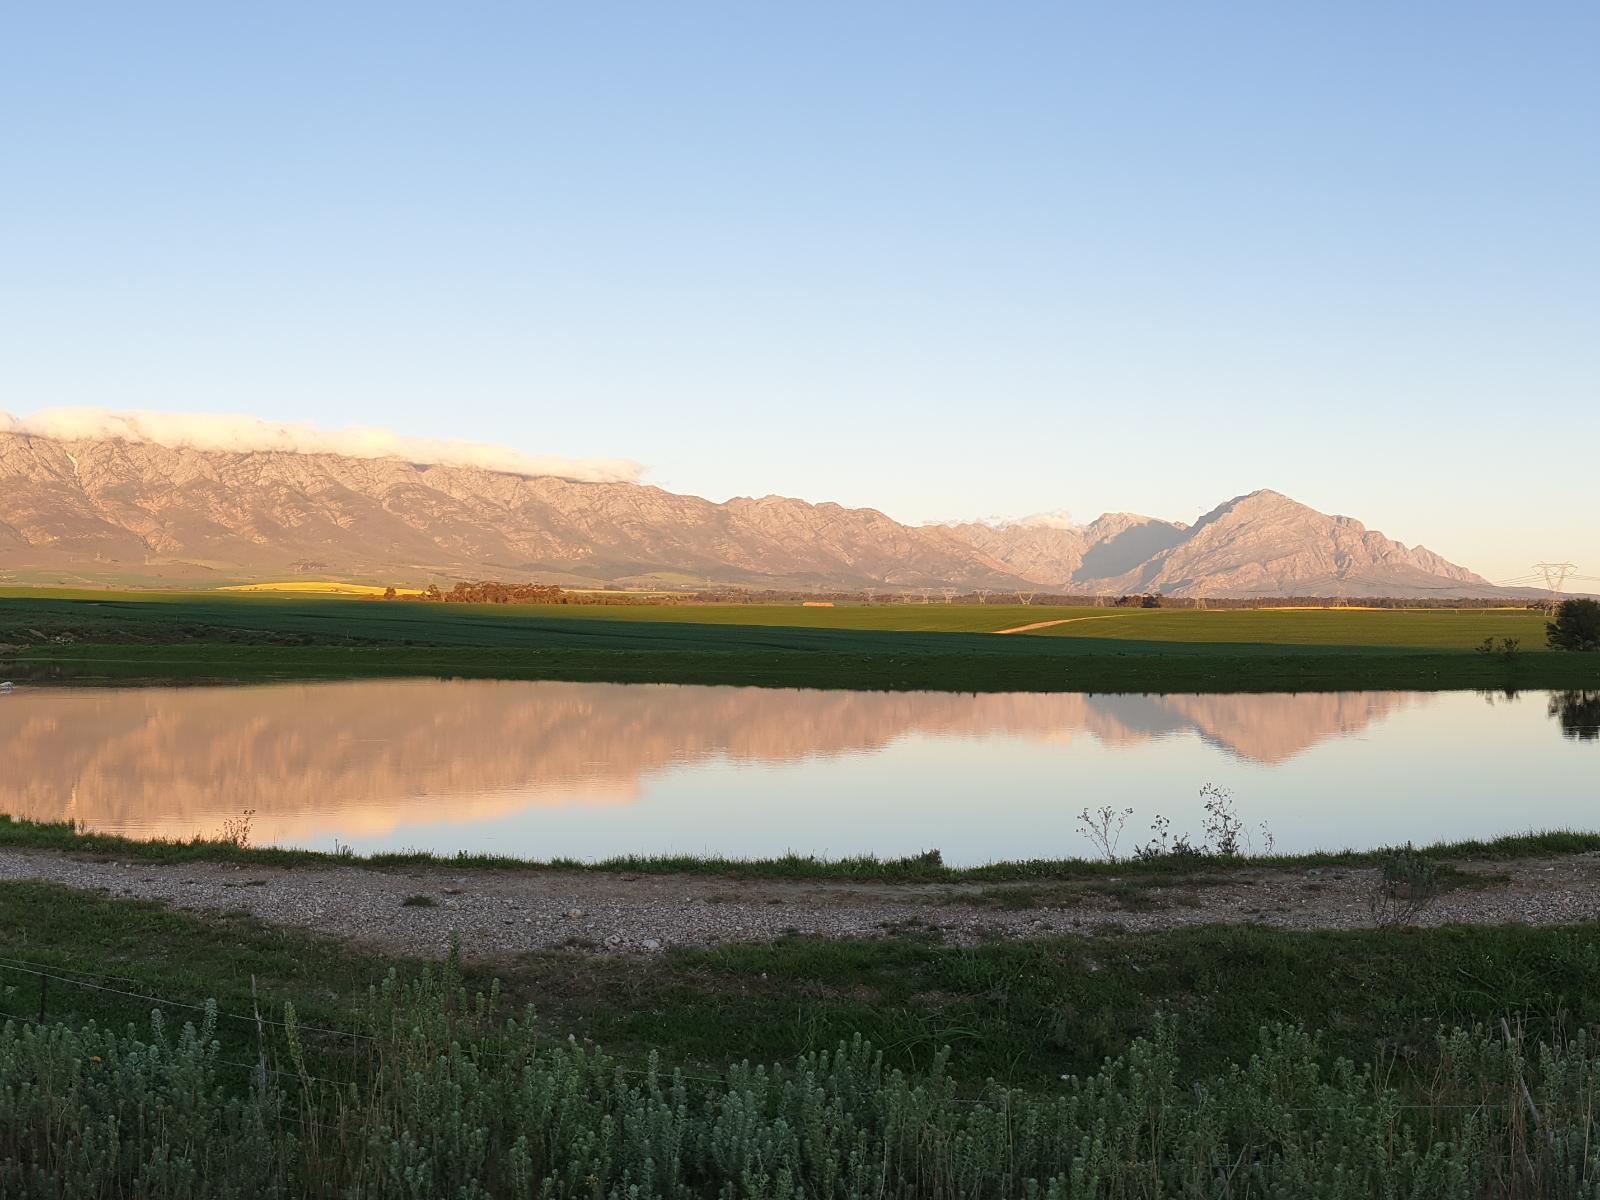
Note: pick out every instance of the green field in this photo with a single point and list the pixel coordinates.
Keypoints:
(144, 1049)
(90, 636)
(1019, 1011)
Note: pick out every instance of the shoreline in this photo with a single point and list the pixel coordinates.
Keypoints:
(419, 909)
(1181, 670)
(926, 868)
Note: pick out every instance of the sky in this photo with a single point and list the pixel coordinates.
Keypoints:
(944, 260)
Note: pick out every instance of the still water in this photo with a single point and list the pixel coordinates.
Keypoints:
(590, 770)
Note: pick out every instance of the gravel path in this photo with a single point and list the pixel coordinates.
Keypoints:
(1061, 621)
(507, 912)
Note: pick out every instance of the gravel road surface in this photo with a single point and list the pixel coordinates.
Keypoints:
(498, 913)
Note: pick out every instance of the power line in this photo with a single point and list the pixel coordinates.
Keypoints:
(1555, 577)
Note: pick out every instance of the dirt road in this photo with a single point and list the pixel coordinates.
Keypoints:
(506, 912)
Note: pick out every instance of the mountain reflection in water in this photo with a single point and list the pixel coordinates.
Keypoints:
(174, 762)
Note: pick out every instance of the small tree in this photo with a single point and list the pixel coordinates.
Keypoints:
(1576, 627)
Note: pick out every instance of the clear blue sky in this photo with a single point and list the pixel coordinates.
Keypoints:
(946, 260)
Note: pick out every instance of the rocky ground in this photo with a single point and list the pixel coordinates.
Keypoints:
(497, 913)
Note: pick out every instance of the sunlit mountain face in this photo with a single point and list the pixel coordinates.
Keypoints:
(83, 501)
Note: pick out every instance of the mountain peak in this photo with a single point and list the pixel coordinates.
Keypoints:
(96, 508)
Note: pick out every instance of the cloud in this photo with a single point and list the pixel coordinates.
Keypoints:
(1046, 520)
(206, 431)
(1043, 520)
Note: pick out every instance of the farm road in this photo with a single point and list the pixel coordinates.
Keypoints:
(1062, 621)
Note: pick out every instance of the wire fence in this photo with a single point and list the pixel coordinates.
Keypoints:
(640, 1065)
(48, 973)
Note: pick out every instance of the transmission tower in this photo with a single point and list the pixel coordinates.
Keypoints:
(1026, 597)
(1555, 578)
(925, 595)
(983, 595)
(1200, 603)
(869, 593)
(1099, 600)
(948, 594)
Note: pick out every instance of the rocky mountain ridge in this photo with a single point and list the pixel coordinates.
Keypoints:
(107, 509)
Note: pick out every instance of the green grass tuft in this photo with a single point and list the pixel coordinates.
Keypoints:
(920, 868)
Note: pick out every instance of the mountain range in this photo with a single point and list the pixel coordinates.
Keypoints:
(109, 509)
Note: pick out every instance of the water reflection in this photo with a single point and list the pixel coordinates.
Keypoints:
(1578, 713)
(735, 770)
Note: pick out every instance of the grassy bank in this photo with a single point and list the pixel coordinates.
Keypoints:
(194, 638)
(1024, 1012)
(923, 868)
(417, 1089)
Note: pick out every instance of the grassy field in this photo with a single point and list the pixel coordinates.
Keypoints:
(190, 636)
(1021, 1012)
(150, 1053)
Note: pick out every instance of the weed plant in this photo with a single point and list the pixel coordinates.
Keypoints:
(438, 1094)
(1407, 885)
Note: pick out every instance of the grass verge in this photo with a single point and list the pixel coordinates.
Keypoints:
(299, 1081)
(1021, 1012)
(1024, 1012)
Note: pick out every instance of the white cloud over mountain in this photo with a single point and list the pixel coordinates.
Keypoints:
(215, 432)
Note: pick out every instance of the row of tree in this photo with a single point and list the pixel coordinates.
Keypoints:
(734, 595)
(493, 592)
(1576, 624)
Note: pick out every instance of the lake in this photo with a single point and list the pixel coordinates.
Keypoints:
(590, 770)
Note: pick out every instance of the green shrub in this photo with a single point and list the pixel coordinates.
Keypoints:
(443, 1097)
(1576, 627)
(1407, 885)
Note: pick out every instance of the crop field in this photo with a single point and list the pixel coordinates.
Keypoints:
(318, 588)
(950, 647)
(1431, 629)
(276, 605)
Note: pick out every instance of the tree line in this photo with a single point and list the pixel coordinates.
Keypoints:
(493, 592)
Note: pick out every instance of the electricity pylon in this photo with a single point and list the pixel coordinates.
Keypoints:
(1555, 578)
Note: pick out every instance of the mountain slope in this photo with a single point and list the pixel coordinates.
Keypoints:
(1267, 544)
(110, 508)
(1064, 557)
(137, 506)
